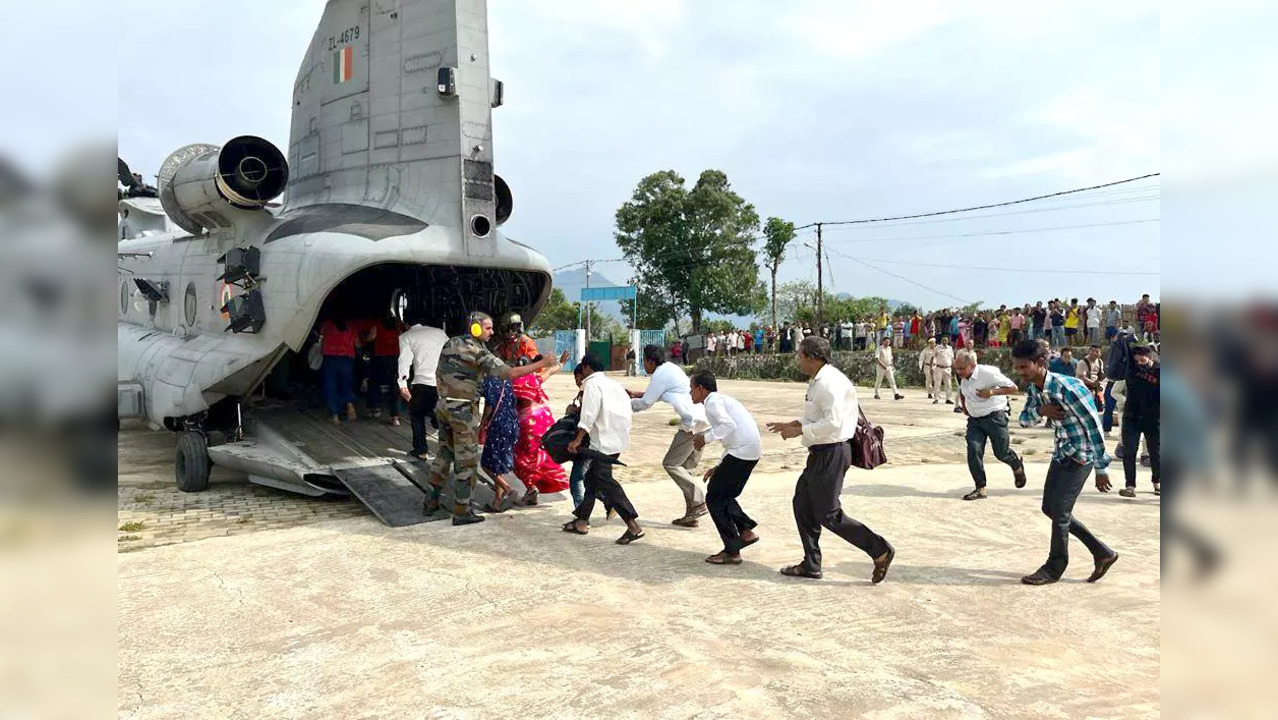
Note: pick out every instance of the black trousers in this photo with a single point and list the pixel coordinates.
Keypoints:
(1133, 428)
(817, 505)
(421, 409)
(725, 487)
(993, 427)
(600, 483)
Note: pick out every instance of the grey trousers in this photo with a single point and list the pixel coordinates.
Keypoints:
(680, 460)
(993, 427)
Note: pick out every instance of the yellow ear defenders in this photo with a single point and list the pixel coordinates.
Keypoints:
(476, 330)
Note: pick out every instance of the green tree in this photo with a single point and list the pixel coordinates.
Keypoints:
(777, 234)
(718, 326)
(656, 311)
(793, 297)
(557, 314)
(693, 249)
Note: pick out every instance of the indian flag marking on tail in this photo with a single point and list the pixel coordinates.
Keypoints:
(343, 64)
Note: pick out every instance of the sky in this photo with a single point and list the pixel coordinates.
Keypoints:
(817, 111)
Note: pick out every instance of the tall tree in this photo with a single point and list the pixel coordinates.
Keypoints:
(694, 249)
(777, 234)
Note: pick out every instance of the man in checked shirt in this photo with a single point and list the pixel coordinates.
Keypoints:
(1080, 446)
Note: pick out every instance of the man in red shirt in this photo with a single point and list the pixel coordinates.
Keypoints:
(383, 390)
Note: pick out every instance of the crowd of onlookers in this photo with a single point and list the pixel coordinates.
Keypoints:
(1062, 323)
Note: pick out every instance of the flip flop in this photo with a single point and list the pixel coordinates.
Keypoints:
(571, 527)
(800, 571)
(1019, 473)
(746, 544)
(630, 537)
(722, 559)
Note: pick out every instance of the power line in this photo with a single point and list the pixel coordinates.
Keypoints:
(983, 207)
(1034, 211)
(903, 278)
(1003, 269)
(998, 232)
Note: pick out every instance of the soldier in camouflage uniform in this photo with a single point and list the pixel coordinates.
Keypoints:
(464, 360)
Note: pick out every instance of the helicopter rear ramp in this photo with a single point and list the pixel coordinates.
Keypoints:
(302, 450)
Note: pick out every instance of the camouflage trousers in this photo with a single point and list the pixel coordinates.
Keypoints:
(458, 456)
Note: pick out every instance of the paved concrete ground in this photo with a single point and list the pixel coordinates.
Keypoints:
(152, 512)
(304, 616)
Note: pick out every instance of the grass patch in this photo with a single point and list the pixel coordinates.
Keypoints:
(128, 538)
(132, 526)
(1030, 451)
(1018, 441)
(244, 521)
(673, 422)
(144, 498)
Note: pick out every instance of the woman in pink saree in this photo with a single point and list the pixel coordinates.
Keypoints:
(533, 466)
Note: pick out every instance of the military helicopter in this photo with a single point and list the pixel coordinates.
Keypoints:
(388, 202)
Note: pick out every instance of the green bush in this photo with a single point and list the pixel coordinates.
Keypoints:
(859, 366)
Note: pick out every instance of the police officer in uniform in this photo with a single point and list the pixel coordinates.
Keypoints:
(463, 361)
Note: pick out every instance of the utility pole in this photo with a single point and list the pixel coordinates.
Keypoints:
(586, 306)
(820, 304)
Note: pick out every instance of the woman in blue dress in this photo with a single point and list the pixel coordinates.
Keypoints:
(499, 432)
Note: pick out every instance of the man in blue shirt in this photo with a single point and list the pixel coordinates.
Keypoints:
(758, 341)
(1065, 364)
(1080, 447)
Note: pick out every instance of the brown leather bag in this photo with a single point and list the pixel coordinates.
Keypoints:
(867, 444)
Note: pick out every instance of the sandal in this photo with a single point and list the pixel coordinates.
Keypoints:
(571, 527)
(1019, 474)
(881, 567)
(630, 537)
(723, 558)
(800, 571)
(748, 543)
(977, 494)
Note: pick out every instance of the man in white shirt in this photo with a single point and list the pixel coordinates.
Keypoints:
(884, 367)
(419, 348)
(731, 424)
(605, 416)
(1093, 317)
(927, 365)
(669, 383)
(829, 420)
(942, 370)
(983, 391)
